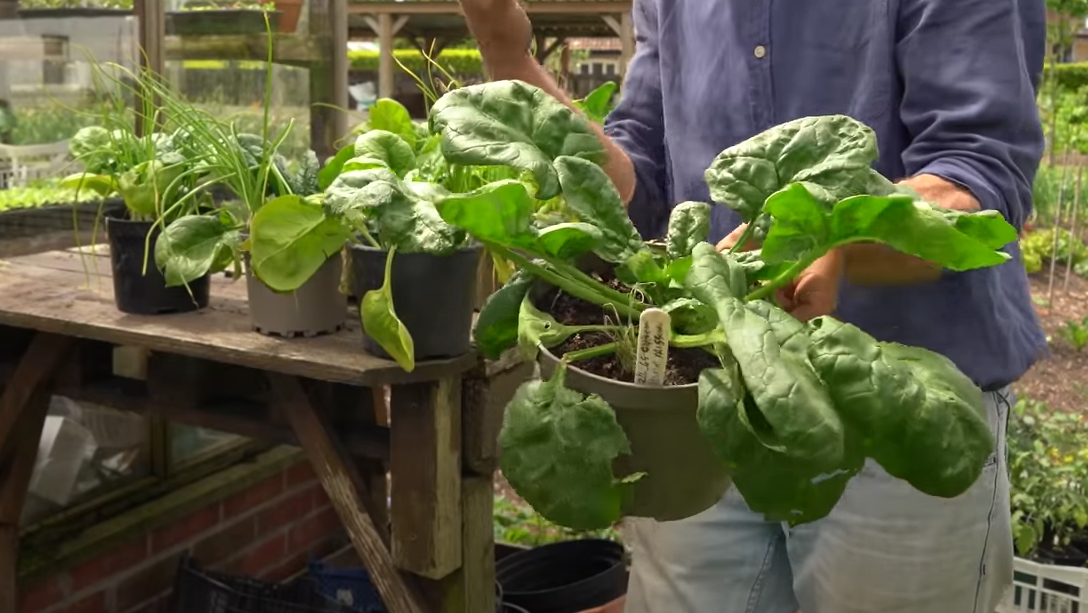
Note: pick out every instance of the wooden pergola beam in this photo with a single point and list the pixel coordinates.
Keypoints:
(386, 26)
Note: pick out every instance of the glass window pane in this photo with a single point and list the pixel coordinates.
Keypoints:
(191, 442)
(85, 450)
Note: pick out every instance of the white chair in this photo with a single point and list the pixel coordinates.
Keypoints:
(22, 164)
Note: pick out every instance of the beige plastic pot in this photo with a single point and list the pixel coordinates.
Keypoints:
(683, 476)
(314, 309)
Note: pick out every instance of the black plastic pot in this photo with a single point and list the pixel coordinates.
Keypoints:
(144, 292)
(435, 297)
(1068, 556)
(566, 577)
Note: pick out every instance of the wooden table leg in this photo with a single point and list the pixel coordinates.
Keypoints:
(23, 408)
(471, 588)
(342, 486)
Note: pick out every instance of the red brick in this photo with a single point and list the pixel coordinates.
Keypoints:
(265, 555)
(149, 583)
(285, 511)
(300, 473)
(289, 567)
(40, 596)
(220, 546)
(95, 603)
(105, 566)
(185, 530)
(312, 530)
(249, 499)
(321, 498)
(157, 605)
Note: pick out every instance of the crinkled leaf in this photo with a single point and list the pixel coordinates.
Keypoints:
(305, 182)
(497, 326)
(557, 448)
(380, 321)
(379, 148)
(918, 416)
(511, 123)
(589, 193)
(147, 186)
(802, 224)
(791, 398)
(290, 239)
(414, 226)
(689, 225)
(689, 316)
(103, 185)
(193, 246)
(834, 152)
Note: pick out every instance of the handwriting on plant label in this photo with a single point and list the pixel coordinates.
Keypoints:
(653, 347)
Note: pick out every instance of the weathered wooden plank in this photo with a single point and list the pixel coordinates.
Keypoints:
(426, 467)
(9, 558)
(341, 485)
(59, 302)
(34, 370)
(484, 398)
(290, 49)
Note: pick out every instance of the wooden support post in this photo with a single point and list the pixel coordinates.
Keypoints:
(627, 42)
(426, 466)
(151, 20)
(386, 75)
(471, 589)
(328, 76)
(23, 407)
(342, 485)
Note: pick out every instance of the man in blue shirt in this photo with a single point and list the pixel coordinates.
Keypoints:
(949, 88)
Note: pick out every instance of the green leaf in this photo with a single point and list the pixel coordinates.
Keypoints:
(377, 149)
(499, 212)
(917, 228)
(536, 328)
(567, 241)
(332, 169)
(598, 104)
(391, 116)
(290, 239)
(557, 448)
(380, 321)
(802, 224)
(918, 416)
(511, 123)
(497, 326)
(789, 395)
(833, 152)
(590, 194)
(689, 225)
(192, 247)
(103, 185)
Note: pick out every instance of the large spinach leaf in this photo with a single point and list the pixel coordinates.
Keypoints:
(557, 449)
(290, 239)
(511, 123)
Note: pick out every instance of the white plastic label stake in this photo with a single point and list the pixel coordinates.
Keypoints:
(653, 347)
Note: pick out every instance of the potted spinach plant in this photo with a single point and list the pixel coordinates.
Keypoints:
(158, 184)
(296, 295)
(739, 390)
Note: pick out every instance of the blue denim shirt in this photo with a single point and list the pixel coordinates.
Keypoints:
(947, 85)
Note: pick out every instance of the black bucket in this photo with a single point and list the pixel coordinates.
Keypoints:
(144, 292)
(565, 577)
(434, 296)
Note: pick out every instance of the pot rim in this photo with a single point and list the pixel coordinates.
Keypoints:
(544, 351)
(620, 563)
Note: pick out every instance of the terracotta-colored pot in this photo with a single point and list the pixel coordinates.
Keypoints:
(616, 606)
(291, 11)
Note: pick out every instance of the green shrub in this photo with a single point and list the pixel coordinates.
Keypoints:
(1038, 247)
(1071, 77)
(456, 61)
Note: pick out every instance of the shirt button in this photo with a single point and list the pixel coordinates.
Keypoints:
(760, 51)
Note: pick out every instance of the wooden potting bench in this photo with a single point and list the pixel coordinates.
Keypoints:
(431, 549)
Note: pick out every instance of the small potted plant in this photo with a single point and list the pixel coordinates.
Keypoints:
(674, 370)
(204, 17)
(159, 184)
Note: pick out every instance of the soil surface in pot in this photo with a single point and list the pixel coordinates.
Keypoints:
(683, 367)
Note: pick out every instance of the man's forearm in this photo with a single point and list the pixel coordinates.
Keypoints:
(876, 264)
(526, 68)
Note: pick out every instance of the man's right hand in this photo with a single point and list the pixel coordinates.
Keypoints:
(501, 28)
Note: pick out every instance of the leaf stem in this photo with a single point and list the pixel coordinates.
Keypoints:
(745, 236)
(783, 279)
(571, 286)
(590, 352)
(691, 341)
(580, 275)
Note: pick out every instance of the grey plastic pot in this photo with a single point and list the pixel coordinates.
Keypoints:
(683, 476)
(316, 308)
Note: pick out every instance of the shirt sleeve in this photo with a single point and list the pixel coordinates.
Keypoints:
(637, 125)
(969, 104)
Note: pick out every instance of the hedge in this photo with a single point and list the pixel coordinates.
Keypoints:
(456, 61)
(1072, 76)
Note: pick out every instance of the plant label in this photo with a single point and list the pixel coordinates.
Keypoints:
(653, 347)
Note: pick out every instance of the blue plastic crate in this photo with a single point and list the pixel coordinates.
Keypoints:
(348, 586)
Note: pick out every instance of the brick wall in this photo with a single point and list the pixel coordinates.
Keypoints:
(269, 531)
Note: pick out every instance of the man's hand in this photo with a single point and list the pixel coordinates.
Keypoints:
(501, 28)
(814, 293)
